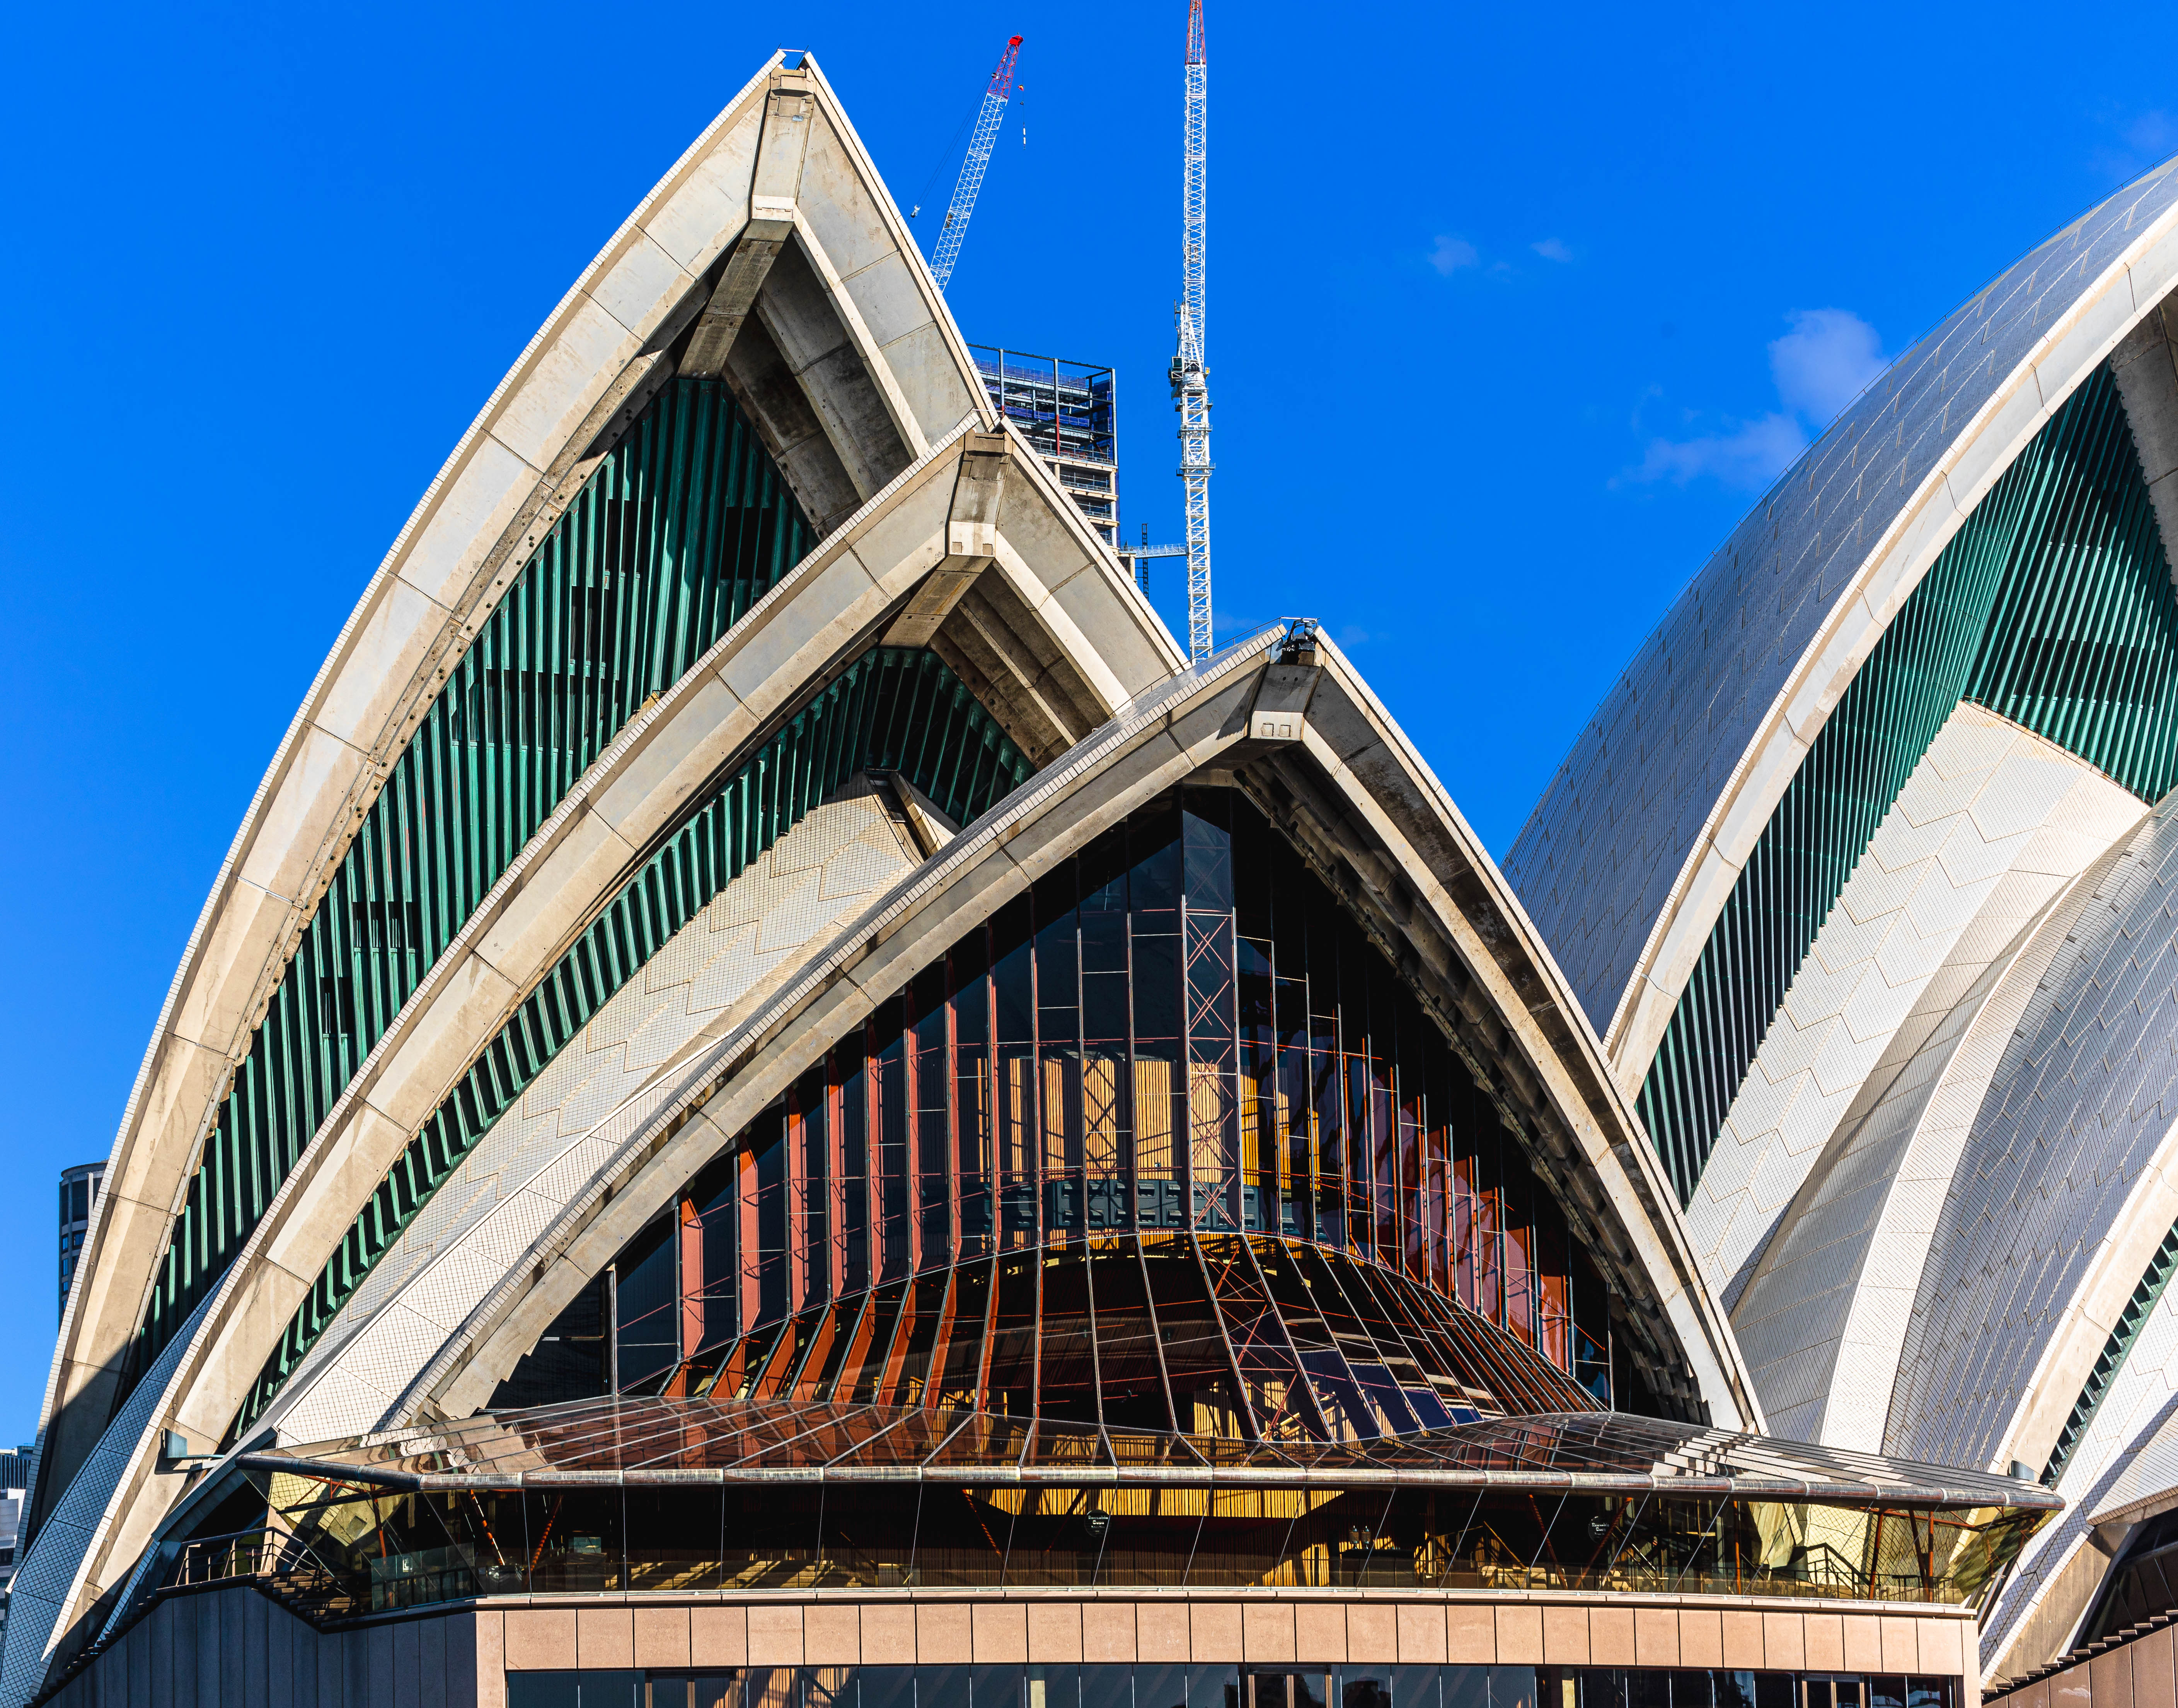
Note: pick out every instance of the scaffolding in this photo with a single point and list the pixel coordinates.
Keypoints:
(1067, 411)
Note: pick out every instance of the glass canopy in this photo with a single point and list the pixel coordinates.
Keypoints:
(698, 1494)
(632, 1441)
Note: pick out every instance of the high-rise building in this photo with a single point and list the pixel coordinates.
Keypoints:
(79, 1190)
(14, 1483)
(14, 1487)
(832, 1124)
(1069, 412)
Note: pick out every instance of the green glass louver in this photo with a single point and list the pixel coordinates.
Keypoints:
(681, 529)
(2115, 1351)
(2052, 606)
(894, 709)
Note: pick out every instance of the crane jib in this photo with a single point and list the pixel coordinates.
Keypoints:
(955, 227)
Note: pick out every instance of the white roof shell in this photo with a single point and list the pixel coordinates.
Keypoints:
(1635, 846)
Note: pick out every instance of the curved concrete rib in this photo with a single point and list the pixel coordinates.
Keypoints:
(1993, 822)
(598, 359)
(54, 1574)
(2064, 1186)
(1822, 1320)
(458, 551)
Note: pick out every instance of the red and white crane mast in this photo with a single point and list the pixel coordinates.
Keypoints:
(955, 228)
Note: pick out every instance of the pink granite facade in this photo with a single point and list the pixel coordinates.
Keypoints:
(233, 1645)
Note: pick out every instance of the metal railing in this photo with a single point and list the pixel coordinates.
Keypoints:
(278, 1563)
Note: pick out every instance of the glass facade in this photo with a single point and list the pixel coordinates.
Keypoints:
(338, 1549)
(1166, 1144)
(79, 1190)
(1224, 1687)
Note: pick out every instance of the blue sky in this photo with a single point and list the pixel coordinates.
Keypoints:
(1513, 310)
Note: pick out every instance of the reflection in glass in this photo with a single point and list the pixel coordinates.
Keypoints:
(1065, 1515)
(1177, 1051)
(1219, 1687)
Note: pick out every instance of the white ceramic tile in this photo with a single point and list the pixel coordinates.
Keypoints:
(545, 1152)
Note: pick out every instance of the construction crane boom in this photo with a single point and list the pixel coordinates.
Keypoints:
(955, 227)
(1190, 375)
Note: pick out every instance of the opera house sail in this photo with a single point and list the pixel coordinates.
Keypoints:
(1860, 874)
(780, 1102)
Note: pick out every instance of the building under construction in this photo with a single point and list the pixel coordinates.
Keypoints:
(1067, 411)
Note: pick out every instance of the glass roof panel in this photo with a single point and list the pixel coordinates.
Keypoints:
(638, 1440)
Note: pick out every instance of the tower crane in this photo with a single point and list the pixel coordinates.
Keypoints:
(1191, 375)
(955, 228)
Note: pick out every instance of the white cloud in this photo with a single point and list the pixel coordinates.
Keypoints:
(2142, 141)
(1752, 454)
(2153, 132)
(1823, 362)
(1820, 366)
(1452, 254)
(1553, 250)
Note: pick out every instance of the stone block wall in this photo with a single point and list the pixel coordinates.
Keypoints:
(235, 1648)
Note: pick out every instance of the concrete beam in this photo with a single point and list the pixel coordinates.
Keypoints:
(928, 828)
(873, 262)
(441, 577)
(827, 609)
(875, 362)
(831, 370)
(1034, 660)
(1952, 470)
(718, 1091)
(1280, 713)
(720, 323)
(1413, 862)
(783, 148)
(985, 653)
(779, 410)
(971, 539)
